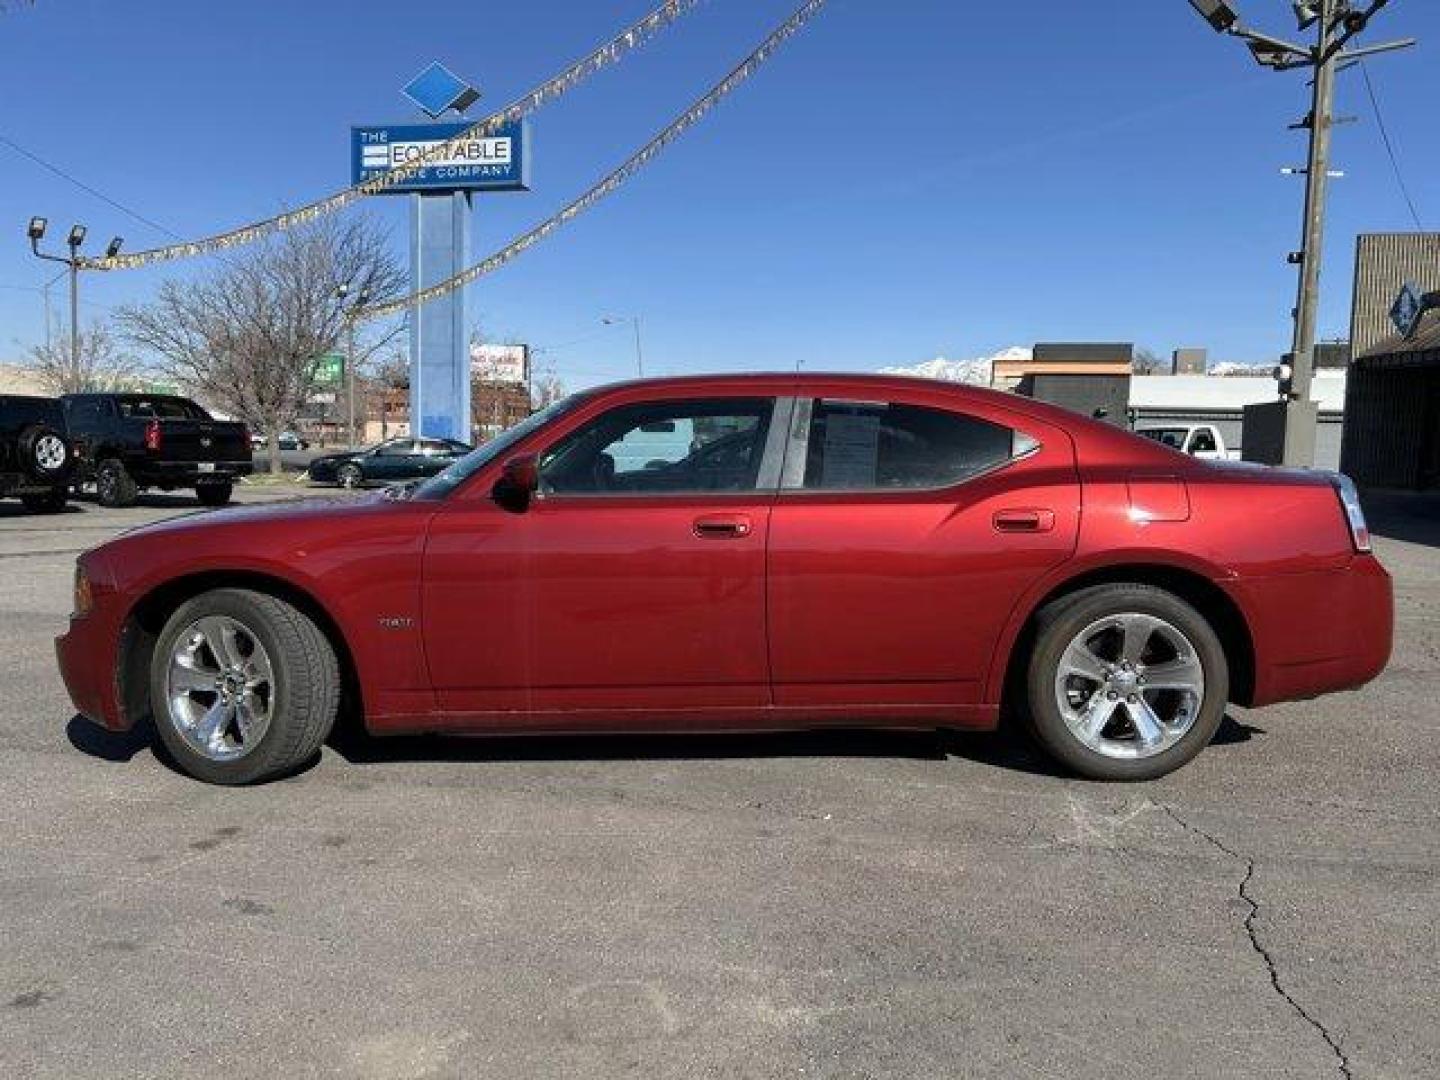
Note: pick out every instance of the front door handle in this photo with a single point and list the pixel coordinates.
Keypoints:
(722, 526)
(1024, 520)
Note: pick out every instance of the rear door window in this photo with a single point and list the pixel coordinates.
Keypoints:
(889, 446)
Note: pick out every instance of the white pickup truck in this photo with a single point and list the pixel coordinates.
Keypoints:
(1201, 440)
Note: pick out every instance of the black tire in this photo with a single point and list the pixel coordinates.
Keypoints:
(217, 494)
(1059, 623)
(45, 454)
(47, 502)
(305, 695)
(350, 475)
(114, 486)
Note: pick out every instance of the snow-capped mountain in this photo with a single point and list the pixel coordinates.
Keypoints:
(976, 371)
(1230, 369)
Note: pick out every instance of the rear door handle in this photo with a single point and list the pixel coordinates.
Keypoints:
(722, 526)
(1024, 520)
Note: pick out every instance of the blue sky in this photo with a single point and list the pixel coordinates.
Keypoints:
(907, 178)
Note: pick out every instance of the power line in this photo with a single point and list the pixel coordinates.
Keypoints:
(632, 165)
(38, 160)
(1390, 147)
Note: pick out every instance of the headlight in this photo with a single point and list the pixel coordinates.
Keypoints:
(1354, 512)
(84, 597)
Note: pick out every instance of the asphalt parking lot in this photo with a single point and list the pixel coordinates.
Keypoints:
(839, 905)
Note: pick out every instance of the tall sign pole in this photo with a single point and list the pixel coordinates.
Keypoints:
(440, 212)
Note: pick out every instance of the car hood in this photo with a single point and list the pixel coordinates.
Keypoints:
(291, 539)
(332, 459)
(301, 512)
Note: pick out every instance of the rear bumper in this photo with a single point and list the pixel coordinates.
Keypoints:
(1318, 632)
(190, 473)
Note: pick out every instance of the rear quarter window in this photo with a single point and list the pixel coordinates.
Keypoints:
(879, 446)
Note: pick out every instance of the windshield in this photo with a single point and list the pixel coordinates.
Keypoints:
(442, 483)
(1173, 437)
(161, 408)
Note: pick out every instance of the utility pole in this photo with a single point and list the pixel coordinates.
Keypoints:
(1321, 123)
(351, 317)
(1283, 432)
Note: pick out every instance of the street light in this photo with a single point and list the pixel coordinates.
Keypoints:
(113, 248)
(35, 231)
(1217, 13)
(634, 321)
(1335, 23)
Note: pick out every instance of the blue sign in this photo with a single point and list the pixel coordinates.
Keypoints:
(1409, 306)
(438, 89)
(498, 161)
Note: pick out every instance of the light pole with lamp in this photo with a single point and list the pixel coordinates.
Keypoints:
(634, 321)
(1287, 427)
(73, 262)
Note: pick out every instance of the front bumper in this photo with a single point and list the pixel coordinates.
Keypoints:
(88, 655)
(1316, 633)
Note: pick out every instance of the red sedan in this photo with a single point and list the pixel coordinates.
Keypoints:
(743, 553)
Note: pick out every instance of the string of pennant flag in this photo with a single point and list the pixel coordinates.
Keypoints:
(609, 53)
(632, 165)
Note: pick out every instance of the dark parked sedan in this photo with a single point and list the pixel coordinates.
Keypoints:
(404, 458)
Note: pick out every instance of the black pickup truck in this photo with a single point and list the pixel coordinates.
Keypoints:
(127, 443)
(36, 459)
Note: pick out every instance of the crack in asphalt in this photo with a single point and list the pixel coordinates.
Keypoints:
(1243, 891)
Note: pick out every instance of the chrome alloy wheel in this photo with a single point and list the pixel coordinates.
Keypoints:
(1130, 686)
(220, 688)
(50, 452)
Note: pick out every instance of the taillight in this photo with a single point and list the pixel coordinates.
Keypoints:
(1354, 512)
(152, 435)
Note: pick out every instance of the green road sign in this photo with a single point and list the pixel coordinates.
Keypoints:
(330, 369)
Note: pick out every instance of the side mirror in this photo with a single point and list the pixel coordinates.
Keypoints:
(519, 480)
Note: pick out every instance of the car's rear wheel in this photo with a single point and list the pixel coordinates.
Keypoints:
(243, 686)
(1126, 682)
(114, 486)
(215, 494)
(350, 476)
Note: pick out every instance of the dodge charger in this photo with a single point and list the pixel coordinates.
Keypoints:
(759, 552)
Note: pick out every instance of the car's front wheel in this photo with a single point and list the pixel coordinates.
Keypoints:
(243, 686)
(1126, 682)
(350, 476)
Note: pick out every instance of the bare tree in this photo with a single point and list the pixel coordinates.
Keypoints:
(1145, 362)
(250, 337)
(547, 390)
(99, 364)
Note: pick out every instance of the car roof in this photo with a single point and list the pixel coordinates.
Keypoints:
(831, 382)
(1095, 439)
